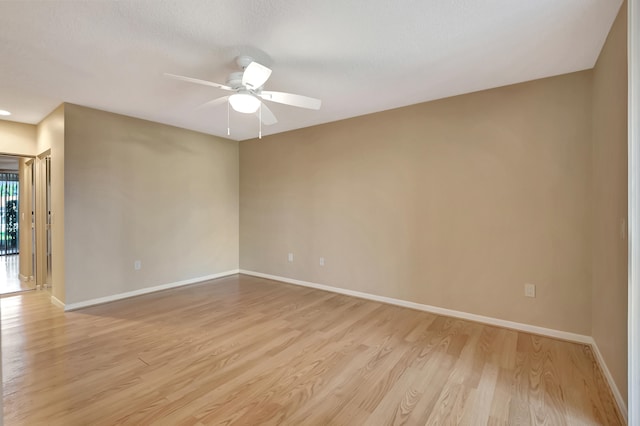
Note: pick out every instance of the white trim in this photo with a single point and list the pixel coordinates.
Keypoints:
(612, 384)
(57, 302)
(633, 324)
(565, 335)
(119, 296)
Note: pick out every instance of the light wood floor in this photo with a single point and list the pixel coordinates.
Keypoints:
(9, 276)
(249, 351)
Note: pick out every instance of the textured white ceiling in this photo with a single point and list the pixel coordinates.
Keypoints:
(358, 56)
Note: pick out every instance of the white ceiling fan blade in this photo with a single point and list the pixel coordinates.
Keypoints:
(291, 99)
(255, 75)
(215, 102)
(197, 81)
(266, 115)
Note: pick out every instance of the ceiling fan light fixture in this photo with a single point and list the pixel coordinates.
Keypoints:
(244, 102)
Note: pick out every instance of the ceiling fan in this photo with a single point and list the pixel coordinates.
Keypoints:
(247, 86)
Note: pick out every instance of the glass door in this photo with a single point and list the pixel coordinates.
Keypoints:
(9, 214)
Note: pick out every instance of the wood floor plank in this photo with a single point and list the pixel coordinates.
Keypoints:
(248, 351)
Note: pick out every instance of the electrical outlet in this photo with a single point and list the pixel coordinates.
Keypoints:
(322, 261)
(137, 265)
(530, 290)
(290, 258)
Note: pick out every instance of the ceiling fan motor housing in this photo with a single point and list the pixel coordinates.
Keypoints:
(243, 61)
(235, 80)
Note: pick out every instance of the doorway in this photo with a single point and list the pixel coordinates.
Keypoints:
(16, 186)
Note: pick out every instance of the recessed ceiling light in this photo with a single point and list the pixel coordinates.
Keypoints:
(3, 112)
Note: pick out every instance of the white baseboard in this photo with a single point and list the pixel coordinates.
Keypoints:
(612, 384)
(119, 296)
(57, 302)
(564, 335)
(573, 337)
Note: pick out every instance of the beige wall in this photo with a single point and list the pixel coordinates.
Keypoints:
(58, 222)
(50, 129)
(51, 136)
(609, 314)
(17, 138)
(137, 190)
(455, 203)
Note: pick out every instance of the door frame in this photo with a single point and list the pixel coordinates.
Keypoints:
(41, 219)
(27, 222)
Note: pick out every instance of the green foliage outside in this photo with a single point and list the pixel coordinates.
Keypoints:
(11, 224)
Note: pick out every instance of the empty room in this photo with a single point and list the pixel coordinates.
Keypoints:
(320, 213)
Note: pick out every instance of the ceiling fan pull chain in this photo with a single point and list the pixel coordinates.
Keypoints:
(260, 120)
